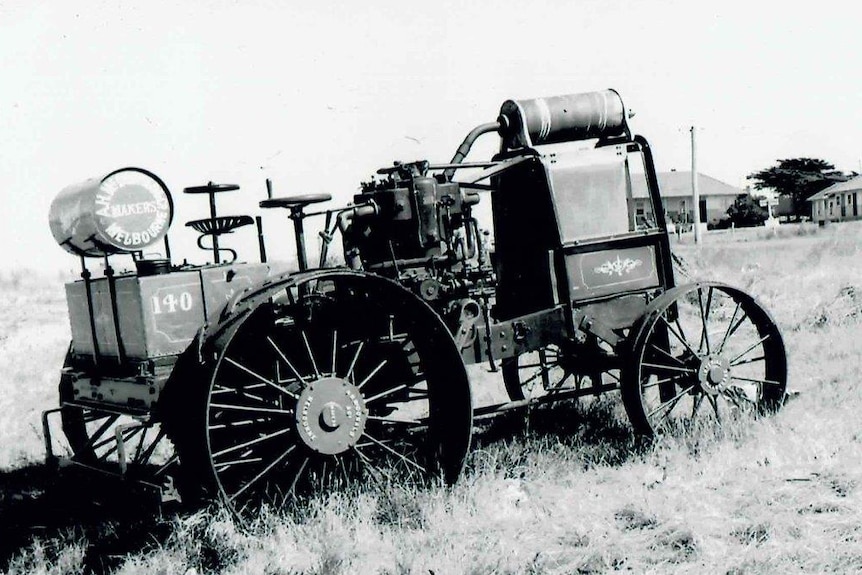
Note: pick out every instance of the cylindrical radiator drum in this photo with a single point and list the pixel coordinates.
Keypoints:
(526, 123)
(126, 211)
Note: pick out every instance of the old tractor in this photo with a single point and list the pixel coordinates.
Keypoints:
(229, 381)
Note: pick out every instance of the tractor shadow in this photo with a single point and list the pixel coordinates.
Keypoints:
(116, 518)
(593, 429)
(60, 507)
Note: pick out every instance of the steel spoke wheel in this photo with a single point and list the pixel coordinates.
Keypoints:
(703, 354)
(328, 383)
(92, 434)
(536, 374)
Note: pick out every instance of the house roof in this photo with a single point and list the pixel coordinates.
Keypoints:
(678, 184)
(851, 185)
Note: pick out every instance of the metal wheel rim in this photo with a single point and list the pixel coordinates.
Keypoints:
(334, 353)
(705, 355)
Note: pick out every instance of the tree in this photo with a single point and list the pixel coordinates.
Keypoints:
(798, 179)
(746, 211)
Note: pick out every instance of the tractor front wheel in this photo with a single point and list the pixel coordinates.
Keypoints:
(703, 354)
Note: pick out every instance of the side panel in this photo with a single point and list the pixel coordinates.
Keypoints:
(131, 318)
(525, 234)
(79, 319)
(158, 315)
(599, 273)
(220, 284)
(173, 310)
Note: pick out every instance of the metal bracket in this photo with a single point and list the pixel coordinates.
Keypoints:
(595, 327)
(121, 444)
(50, 458)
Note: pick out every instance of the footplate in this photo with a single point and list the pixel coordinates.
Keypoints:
(124, 450)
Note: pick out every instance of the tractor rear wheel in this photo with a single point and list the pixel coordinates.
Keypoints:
(327, 381)
(703, 354)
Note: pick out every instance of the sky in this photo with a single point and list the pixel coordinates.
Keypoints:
(318, 95)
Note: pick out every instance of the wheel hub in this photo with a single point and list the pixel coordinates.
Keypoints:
(713, 374)
(330, 415)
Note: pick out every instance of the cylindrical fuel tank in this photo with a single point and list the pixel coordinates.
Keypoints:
(126, 211)
(562, 118)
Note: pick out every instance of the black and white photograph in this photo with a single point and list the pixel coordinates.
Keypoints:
(438, 288)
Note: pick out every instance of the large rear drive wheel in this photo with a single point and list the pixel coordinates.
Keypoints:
(703, 354)
(326, 382)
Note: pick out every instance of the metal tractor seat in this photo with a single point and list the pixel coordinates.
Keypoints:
(214, 226)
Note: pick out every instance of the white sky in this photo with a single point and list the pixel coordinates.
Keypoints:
(318, 95)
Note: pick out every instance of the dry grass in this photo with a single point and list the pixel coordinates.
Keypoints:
(570, 493)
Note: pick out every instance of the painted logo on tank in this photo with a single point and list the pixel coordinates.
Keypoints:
(133, 210)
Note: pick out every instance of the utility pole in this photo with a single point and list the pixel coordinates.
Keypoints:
(694, 191)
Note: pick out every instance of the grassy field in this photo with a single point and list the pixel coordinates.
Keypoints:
(568, 491)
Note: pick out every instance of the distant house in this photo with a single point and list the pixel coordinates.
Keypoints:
(715, 197)
(838, 202)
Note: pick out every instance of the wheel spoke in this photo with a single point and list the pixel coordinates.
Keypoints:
(676, 335)
(298, 474)
(681, 330)
(395, 453)
(377, 471)
(532, 378)
(395, 421)
(735, 394)
(704, 316)
(673, 378)
(372, 374)
(714, 402)
(334, 348)
(310, 353)
(251, 442)
(754, 380)
(695, 406)
(667, 354)
(95, 416)
(349, 373)
(732, 327)
(260, 377)
(546, 381)
(224, 465)
(286, 361)
(265, 470)
(99, 432)
(671, 402)
(385, 393)
(675, 401)
(228, 406)
(127, 434)
(558, 386)
(751, 360)
(140, 448)
(669, 367)
(749, 348)
(145, 456)
(232, 424)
